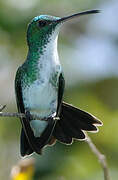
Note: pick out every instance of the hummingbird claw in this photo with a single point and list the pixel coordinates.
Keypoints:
(56, 118)
(28, 115)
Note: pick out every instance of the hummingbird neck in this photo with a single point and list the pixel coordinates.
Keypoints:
(41, 61)
(43, 52)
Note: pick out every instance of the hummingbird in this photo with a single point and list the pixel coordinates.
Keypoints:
(39, 88)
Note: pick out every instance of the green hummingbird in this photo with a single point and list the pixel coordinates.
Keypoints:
(39, 88)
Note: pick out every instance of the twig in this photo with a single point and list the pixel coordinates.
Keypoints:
(21, 115)
(101, 158)
(8, 114)
(2, 107)
(18, 115)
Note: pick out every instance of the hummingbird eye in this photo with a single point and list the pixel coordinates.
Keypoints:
(42, 23)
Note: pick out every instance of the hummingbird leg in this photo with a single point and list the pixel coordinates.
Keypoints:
(56, 118)
(28, 115)
(49, 119)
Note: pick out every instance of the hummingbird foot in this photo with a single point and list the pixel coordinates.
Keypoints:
(56, 118)
(28, 115)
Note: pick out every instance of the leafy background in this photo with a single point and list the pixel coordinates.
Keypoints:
(88, 51)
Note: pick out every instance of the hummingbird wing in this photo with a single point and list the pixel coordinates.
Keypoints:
(59, 132)
(61, 85)
(29, 142)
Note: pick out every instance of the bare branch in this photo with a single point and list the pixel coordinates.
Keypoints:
(22, 115)
(2, 107)
(8, 114)
(101, 158)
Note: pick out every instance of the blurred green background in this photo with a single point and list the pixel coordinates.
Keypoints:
(88, 51)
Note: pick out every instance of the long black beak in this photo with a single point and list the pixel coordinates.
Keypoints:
(63, 19)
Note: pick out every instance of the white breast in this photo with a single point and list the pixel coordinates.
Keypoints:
(40, 98)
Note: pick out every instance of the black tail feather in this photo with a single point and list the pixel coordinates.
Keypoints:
(81, 115)
(73, 122)
(71, 130)
(60, 134)
(79, 118)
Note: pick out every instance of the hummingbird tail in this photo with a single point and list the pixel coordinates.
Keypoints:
(72, 124)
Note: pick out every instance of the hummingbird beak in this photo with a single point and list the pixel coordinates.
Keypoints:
(77, 15)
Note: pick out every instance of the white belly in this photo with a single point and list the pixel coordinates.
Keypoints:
(40, 98)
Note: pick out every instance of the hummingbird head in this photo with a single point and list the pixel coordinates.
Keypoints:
(44, 28)
(41, 29)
